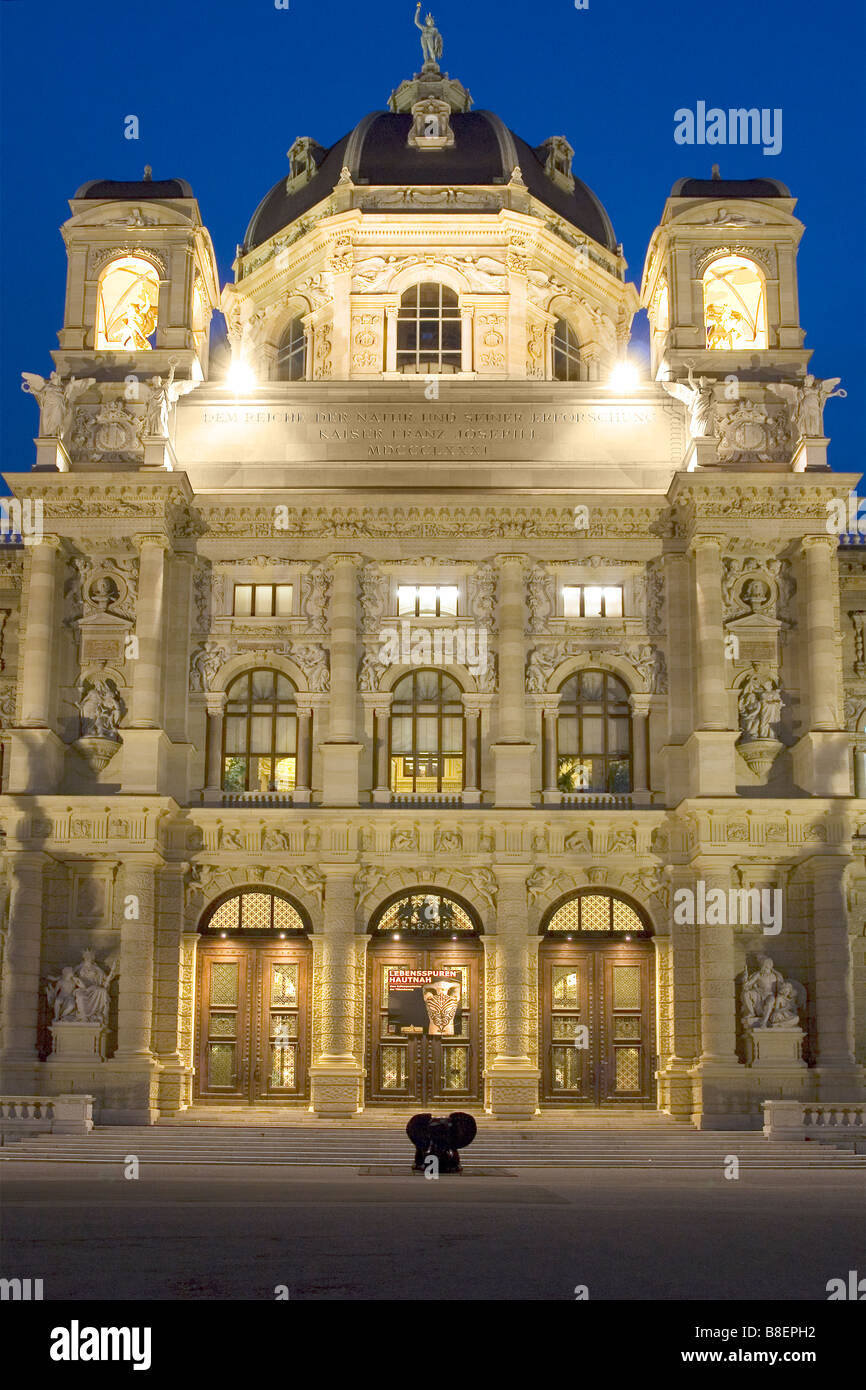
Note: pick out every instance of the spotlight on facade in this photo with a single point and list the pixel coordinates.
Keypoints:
(241, 377)
(624, 377)
(396, 936)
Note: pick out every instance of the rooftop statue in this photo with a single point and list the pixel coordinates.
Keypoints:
(431, 39)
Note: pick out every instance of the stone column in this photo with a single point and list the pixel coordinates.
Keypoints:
(20, 985)
(467, 314)
(38, 637)
(472, 779)
(302, 793)
(146, 767)
(341, 751)
(676, 1082)
(337, 1072)
(149, 618)
(512, 752)
(718, 1073)
(639, 729)
(380, 710)
(391, 312)
(511, 1077)
(215, 703)
(132, 1099)
(860, 769)
(820, 758)
(711, 754)
(36, 753)
(551, 795)
(839, 1077)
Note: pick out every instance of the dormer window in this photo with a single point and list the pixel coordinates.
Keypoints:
(305, 156)
(557, 155)
(429, 337)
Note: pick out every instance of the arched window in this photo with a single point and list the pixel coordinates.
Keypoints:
(589, 912)
(292, 353)
(126, 305)
(593, 732)
(429, 330)
(566, 353)
(260, 733)
(735, 311)
(252, 910)
(426, 912)
(427, 734)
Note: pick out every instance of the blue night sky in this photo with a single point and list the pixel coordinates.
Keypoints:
(222, 88)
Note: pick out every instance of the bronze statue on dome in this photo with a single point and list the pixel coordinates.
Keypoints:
(431, 39)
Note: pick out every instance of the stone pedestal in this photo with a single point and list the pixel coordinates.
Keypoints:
(51, 455)
(512, 764)
(512, 1090)
(700, 453)
(821, 764)
(340, 773)
(810, 453)
(336, 1089)
(777, 1048)
(73, 1040)
(712, 762)
(759, 754)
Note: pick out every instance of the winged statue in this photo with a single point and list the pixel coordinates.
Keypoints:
(806, 402)
(56, 399)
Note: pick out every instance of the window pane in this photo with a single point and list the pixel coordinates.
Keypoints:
(236, 733)
(593, 735)
(428, 734)
(286, 726)
(243, 600)
(406, 594)
(427, 687)
(401, 735)
(568, 736)
(592, 687)
(284, 600)
(427, 598)
(613, 602)
(571, 602)
(264, 597)
(617, 735)
(260, 735)
(452, 735)
(263, 685)
(448, 599)
(592, 602)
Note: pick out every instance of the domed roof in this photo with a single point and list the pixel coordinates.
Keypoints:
(109, 190)
(484, 152)
(730, 188)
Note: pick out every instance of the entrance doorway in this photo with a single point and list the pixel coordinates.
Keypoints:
(253, 981)
(424, 1004)
(597, 1004)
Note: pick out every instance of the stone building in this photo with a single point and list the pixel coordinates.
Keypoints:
(424, 712)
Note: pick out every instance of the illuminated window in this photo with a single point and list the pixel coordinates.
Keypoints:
(566, 353)
(126, 305)
(199, 319)
(425, 912)
(593, 732)
(263, 601)
(596, 912)
(292, 353)
(734, 309)
(429, 331)
(249, 910)
(427, 600)
(427, 734)
(663, 312)
(592, 601)
(260, 734)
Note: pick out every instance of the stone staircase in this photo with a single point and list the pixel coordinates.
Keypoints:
(648, 1141)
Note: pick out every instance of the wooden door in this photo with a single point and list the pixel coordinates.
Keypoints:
(597, 1023)
(252, 1044)
(424, 1068)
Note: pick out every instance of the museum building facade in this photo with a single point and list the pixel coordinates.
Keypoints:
(423, 713)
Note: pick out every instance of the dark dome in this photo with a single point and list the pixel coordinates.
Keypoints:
(107, 190)
(730, 188)
(376, 152)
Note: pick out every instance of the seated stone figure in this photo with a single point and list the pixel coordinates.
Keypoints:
(441, 1137)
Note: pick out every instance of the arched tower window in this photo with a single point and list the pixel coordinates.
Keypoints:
(593, 734)
(292, 353)
(735, 311)
(427, 734)
(566, 353)
(126, 305)
(260, 733)
(429, 330)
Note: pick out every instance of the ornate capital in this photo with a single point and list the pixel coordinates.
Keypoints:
(157, 538)
(706, 542)
(828, 543)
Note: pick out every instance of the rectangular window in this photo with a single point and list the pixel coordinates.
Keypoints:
(427, 600)
(592, 601)
(263, 601)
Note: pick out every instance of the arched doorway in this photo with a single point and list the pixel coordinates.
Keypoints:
(597, 1005)
(424, 1006)
(253, 986)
